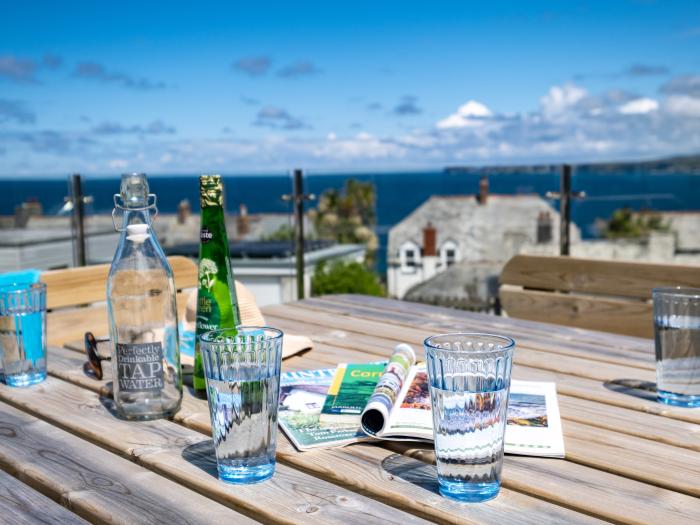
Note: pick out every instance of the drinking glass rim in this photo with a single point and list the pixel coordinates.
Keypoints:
(680, 291)
(205, 337)
(511, 342)
(21, 287)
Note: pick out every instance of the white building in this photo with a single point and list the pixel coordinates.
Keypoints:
(451, 250)
(479, 228)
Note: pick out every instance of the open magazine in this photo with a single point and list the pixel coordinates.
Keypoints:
(399, 409)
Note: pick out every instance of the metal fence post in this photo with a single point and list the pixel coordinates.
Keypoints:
(75, 191)
(298, 196)
(565, 210)
(565, 196)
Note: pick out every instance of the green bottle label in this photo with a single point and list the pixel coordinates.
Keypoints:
(217, 305)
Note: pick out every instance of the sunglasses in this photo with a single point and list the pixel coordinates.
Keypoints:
(93, 365)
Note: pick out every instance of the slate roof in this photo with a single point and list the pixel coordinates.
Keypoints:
(480, 230)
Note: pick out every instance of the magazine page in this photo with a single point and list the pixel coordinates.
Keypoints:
(533, 428)
(385, 395)
(302, 395)
(534, 424)
(350, 392)
(412, 417)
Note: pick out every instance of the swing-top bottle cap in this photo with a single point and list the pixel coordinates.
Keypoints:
(210, 190)
(134, 190)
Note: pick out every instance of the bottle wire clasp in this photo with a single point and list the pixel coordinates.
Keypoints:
(118, 205)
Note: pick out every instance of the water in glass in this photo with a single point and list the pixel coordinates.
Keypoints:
(244, 424)
(677, 334)
(469, 378)
(242, 370)
(23, 333)
(469, 439)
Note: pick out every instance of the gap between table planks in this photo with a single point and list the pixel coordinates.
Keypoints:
(362, 474)
(187, 457)
(195, 415)
(93, 483)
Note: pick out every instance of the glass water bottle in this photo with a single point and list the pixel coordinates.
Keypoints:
(142, 311)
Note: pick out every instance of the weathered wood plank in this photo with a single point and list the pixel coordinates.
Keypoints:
(374, 471)
(593, 390)
(566, 383)
(621, 454)
(66, 364)
(94, 483)
(584, 311)
(565, 334)
(86, 284)
(22, 505)
(540, 341)
(525, 353)
(185, 456)
(638, 351)
(591, 489)
(640, 459)
(361, 473)
(627, 279)
(626, 455)
(567, 475)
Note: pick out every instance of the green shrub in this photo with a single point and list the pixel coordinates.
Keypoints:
(345, 277)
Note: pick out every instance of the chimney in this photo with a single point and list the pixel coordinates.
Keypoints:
(483, 195)
(429, 241)
(183, 211)
(242, 225)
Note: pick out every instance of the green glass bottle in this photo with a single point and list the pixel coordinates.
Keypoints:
(217, 305)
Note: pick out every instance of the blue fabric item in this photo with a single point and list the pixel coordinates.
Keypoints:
(32, 326)
(21, 276)
(186, 341)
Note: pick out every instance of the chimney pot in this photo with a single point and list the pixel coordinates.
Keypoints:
(483, 195)
(183, 211)
(242, 222)
(429, 241)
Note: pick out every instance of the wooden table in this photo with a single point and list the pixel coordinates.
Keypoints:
(65, 457)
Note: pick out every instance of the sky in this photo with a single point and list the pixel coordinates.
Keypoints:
(262, 87)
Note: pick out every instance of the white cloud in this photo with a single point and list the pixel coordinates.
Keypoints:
(683, 105)
(360, 147)
(570, 125)
(469, 114)
(639, 106)
(560, 99)
(118, 164)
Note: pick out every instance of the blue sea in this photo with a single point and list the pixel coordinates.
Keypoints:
(398, 194)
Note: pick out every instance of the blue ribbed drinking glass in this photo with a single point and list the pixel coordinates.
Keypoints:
(23, 333)
(469, 378)
(677, 333)
(242, 369)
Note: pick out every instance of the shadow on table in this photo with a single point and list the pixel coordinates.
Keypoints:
(633, 387)
(203, 456)
(412, 471)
